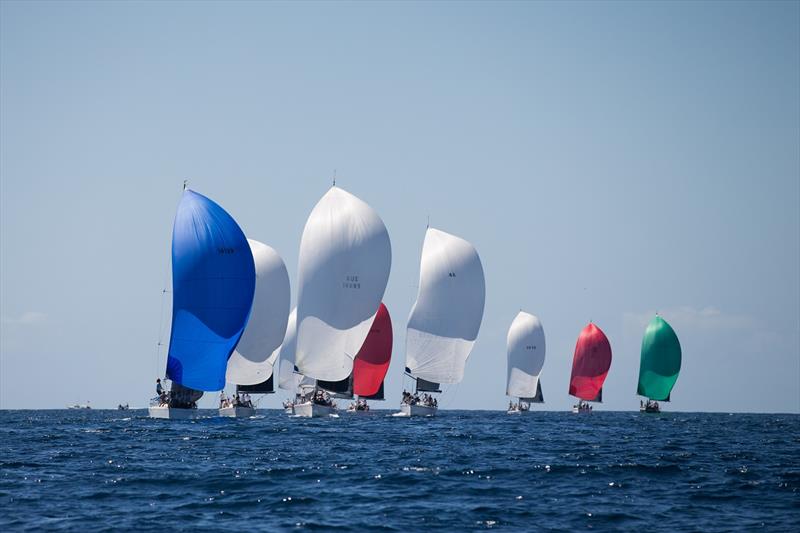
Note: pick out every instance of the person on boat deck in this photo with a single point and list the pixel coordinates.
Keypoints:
(159, 388)
(222, 399)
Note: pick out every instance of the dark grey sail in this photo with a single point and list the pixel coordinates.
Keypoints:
(265, 387)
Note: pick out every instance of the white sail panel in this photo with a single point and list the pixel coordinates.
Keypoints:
(287, 379)
(344, 263)
(249, 364)
(526, 351)
(446, 317)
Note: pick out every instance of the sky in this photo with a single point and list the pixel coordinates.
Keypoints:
(607, 160)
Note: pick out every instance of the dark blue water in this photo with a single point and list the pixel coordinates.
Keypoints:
(465, 470)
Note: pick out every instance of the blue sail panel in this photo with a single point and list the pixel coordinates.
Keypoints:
(213, 280)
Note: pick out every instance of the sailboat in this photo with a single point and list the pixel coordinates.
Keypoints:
(445, 319)
(372, 362)
(288, 377)
(343, 268)
(250, 365)
(213, 279)
(526, 350)
(590, 366)
(660, 364)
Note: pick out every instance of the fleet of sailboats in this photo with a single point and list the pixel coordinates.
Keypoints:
(231, 320)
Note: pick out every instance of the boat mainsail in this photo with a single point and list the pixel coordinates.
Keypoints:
(251, 364)
(660, 360)
(447, 314)
(343, 268)
(590, 364)
(526, 352)
(213, 280)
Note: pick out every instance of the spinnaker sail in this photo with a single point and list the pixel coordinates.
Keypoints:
(372, 361)
(526, 352)
(344, 263)
(447, 314)
(213, 280)
(250, 363)
(660, 360)
(590, 364)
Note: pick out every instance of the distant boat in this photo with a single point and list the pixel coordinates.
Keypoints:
(250, 366)
(590, 366)
(343, 268)
(445, 319)
(79, 406)
(526, 351)
(660, 364)
(213, 279)
(121, 407)
(372, 362)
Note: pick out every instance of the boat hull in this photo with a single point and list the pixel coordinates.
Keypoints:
(172, 413)
(649, 409)
(313, 410)
(578, 410)
(417, 410)
(237, 412)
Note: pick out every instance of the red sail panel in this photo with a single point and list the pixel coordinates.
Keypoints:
(372, 361)
(590, 364)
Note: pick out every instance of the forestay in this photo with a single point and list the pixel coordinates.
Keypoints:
(526, 351)
(446, 317)
(213, 279)
(344, 263)
(250, 363)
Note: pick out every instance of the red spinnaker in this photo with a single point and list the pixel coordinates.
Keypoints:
(590, 364)
(372, 361)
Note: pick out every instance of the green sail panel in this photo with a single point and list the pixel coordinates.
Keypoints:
(661, 360)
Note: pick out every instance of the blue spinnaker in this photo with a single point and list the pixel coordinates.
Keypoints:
(213, 280)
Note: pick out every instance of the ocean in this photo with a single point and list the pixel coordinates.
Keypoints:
(464, 470)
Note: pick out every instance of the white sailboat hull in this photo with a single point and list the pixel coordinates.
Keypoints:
(313, 410)
(417, 410)
(576, 409)
(237, 412)
(172, 413)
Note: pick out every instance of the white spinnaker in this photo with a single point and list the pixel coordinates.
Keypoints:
(287, 379)
(526, 350)
(446, 317)
(344, 263)
(249, 364)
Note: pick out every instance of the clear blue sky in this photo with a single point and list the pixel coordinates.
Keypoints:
(607, 160)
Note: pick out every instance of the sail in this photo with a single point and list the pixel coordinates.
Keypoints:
(660, 360)
(213, 279)
(372, 360)
(526, 349)
(287, 379)
(250, 363)
(345, 257)
(590, 364)
(446, 317)
(265, 387)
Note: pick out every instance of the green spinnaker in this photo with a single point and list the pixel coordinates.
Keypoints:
(661, 360)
